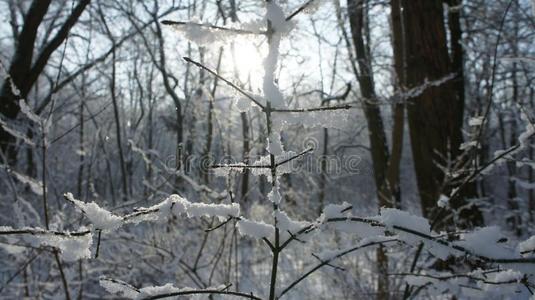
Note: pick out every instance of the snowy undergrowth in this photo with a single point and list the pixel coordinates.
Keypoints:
(516, 263)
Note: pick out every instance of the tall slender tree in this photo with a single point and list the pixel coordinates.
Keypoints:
(385, 166)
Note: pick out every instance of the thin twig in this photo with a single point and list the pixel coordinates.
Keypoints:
(218, 226)
(493, 75)
(327, 261)
(241, 91)
(39, 231)
(321, 108)
(241, 166)
(21, 269)
(328, 264)
(62, 275)
(294, 157)
(200, 292)
(98, 242)
(299, 9)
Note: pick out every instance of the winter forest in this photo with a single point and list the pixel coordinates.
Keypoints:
(267, 149)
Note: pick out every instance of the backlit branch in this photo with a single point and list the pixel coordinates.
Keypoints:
(278, 164)
(300, 9)
(210, 26)
(240, 90)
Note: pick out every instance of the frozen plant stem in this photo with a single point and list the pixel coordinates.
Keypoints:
(270, 91)
(241, 91)
(276, 249)
(45, 208)
(43, 167)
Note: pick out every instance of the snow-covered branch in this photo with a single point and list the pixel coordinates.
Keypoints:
(166, 291)
(105, 220)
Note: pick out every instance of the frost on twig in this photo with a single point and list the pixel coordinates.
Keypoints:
(98, 216)
(174, 204)
(208, 34)
(16, 133)
(34, 185)
(128, 291)
(71, 245)
(483, 244)
(258, 230)
(288, 229)
(28, 112)
(262, 166)
(527, 247)
(277, 27)
(475, 284)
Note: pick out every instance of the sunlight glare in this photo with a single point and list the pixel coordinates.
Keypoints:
(248, 57)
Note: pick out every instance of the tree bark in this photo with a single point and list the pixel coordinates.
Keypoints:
(377, 135)
(398, 107)
(434, 115)
(23, 74)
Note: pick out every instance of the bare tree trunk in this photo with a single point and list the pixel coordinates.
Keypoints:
(19, 70)
(377, 136)
(433, 117)
(323, 170)
(24, 69)
(150, 128)
(210, 126)
(245, 154)
(457, 55)
(124, 175)
(515, 218)
(531, 201)
(118, 130)
(102, 144)
(176, 100)
(81, 148)
(457, 63)
(398, 107)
